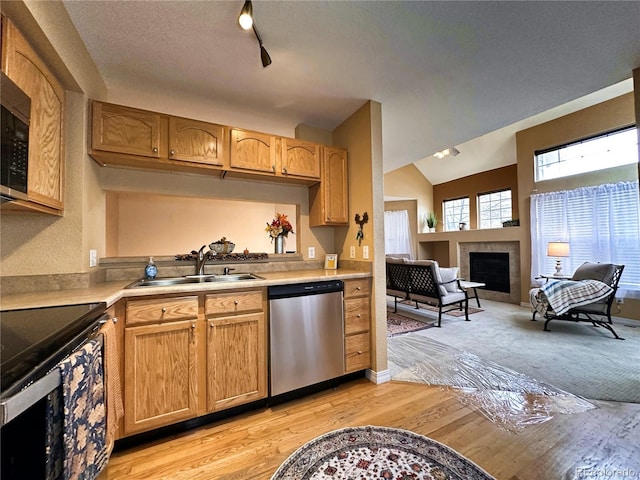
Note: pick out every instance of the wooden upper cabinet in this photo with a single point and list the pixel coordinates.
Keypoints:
(120, 129)
(253, 151)
(194, 141)
(300, 158)
(26, 68)
(329, 200)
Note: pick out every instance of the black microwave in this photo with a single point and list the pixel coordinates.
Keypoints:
(14, 157)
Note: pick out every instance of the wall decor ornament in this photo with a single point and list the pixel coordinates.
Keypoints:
(361, 222)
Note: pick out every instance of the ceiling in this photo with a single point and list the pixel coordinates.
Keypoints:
(444, 72)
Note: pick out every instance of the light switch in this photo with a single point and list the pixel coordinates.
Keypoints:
(365, 252)
(352, 252)
(93, 258)
(312, 252)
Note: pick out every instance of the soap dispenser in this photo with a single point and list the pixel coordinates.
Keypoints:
(150, 271)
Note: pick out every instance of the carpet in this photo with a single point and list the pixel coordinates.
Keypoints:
(398, 324)
(574, 357)
(377, 452)
(453, 313)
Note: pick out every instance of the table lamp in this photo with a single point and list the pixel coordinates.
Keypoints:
(558, 249)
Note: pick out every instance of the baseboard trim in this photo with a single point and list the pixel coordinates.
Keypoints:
(378, 377)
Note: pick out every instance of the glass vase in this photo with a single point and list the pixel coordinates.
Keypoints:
(279, 244)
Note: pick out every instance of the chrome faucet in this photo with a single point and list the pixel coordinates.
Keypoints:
(226, 270)
(200, 261)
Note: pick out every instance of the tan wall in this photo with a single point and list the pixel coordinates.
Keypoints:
(474, 185)
(408, 182)
(155, 225)
(615, 113)
(361, 134)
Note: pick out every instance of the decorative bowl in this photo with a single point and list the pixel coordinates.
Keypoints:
(223, 247)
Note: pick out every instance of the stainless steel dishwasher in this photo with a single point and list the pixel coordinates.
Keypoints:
(307, 334)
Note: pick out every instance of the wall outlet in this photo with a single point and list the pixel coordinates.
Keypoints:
(93, 258)
(365, 252)
(312, 252)
(352, 252)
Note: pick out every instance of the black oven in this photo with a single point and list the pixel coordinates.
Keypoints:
(34, 342)
(14, 156)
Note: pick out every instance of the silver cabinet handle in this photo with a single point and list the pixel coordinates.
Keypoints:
(273, 167)
(211, 324)
(358, 289)
(284, 170)
(235, 302)
(115, 319)
(172, 152)
(193, 326)
(164, 309)
(155, 149)
(358, 316)
(359, 352)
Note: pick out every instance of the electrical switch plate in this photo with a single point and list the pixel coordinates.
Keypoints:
(93, 258)
(312, 252)
(365, 252)
(352, 252)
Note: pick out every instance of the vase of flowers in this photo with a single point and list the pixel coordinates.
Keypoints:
(278, 229)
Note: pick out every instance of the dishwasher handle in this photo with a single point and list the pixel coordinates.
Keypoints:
(302, 289)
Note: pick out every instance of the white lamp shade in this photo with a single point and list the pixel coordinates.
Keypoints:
(558, 249)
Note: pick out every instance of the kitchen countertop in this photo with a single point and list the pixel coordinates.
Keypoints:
(111, 292)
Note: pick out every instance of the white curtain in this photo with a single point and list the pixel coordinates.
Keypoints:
(397, 233)
(601, 224)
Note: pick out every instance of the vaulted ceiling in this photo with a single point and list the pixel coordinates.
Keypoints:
(445, 72)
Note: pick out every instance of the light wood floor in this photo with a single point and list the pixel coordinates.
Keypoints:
(253, 445)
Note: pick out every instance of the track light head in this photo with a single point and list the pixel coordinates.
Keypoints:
(264, 56)
(245, 20)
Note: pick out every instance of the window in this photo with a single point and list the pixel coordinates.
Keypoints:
(455, 212)
(494, 208)
(601, 224)
(612, 149)
(397, 233)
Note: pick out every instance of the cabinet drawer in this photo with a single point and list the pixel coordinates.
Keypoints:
(234, 302)
(357, 352)
(356, 315)
(161, 310)
(356, 287)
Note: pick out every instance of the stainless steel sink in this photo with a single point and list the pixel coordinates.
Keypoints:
(191, 279)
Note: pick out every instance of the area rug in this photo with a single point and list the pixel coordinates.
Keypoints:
(398, 324)
(377, 452)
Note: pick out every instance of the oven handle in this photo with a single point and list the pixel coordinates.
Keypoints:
(14, 405)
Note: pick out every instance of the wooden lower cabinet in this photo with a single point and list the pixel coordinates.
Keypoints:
(186, 356)
(236, 360)
(236, 348)
(357, 325)
(161, 362)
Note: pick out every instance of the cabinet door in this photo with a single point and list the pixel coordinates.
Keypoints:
(329, 199)
(46, 158)
(236, 360)
(336, 193)
(300, 158)
(160, 375)
(120, 129)
(253, 151)
(194, 141)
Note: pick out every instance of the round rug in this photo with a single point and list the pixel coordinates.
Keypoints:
(363, 453)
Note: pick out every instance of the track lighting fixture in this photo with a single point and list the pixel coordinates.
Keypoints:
(246, 16)
(245, 20)
(453, 151)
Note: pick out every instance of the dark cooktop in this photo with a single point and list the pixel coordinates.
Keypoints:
(35, 340)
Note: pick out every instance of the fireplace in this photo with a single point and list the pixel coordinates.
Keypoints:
(491, 268)
(511, 248)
